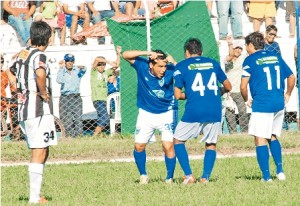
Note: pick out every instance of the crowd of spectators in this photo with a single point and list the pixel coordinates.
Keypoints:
(64, 15)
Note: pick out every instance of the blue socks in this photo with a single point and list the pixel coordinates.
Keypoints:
(208, 163)
(183, 158)
(262, 154)
(140, 161)
(170, 166)
(275, 148)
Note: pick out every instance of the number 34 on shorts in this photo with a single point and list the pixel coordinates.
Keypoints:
(40, 132)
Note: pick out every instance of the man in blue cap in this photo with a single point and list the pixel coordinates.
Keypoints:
(70, 103)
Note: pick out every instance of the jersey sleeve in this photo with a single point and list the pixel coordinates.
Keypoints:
(39, 62)
(178, 78)
(140, 64)
(246, 68)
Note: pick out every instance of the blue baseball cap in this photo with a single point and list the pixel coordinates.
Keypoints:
(69, 58)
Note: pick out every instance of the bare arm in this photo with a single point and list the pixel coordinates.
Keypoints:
(179, 94)
(132, 54)
(290, 86)
(41, 83)
(244, 88)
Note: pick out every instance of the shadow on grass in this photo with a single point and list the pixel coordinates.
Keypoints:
(25, 198)
(249, 177)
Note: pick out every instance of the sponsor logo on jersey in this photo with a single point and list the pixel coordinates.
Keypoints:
(201, 66)
(267, 60)
(159, 93)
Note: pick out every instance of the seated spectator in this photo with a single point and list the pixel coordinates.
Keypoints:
(50, 10)
(101, 10)
(261, 11)
(130, 8)
(291, 12)
(99, 80)
(209, 4)
(233, 68)
(270, 43)
(76, 13)
(234, 9)
(19, 17)
(70, 102)
(164, 7)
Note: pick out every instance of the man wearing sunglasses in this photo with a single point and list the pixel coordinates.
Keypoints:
(70, 103)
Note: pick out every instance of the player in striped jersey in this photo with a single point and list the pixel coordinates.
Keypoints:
(199, 77)
(265, 72)
(35, 104)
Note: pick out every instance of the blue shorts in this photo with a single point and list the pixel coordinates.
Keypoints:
(69, 20)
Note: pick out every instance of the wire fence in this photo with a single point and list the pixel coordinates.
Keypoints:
(105, 103)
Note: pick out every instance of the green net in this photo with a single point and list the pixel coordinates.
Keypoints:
(168, 33)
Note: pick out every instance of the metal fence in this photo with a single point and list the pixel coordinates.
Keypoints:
(77, 115)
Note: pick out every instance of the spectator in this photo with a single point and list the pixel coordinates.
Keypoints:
(99, 80)
(8, 107)
(291, 12)
(50, 11)
(164, 7)
(101, 10)
(233, 68)
(234, 9)
(113, 85)
(270, 43)
(265, 73)
(76, 13)
(70, 102)
(130, 8)
(20, 12)
(209, 4)
(261, 11)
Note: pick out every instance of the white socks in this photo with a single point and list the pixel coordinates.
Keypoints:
(35, 181)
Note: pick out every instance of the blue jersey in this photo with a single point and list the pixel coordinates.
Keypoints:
(274, 47)
(199, 76)
(153, 94)
(267, 72)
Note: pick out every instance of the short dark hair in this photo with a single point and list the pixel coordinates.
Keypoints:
(160, 57)
(40, 33)
(193, 46)
(270, 28)
(257, 39)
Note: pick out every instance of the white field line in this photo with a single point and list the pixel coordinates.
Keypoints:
(191, 157)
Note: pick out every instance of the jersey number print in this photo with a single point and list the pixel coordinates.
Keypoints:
(199, 86)
(269, 80)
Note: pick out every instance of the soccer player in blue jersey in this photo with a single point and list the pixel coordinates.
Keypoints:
(157, 107)
(199, 77)
(265, 72)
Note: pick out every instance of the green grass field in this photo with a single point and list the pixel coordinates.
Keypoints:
(235, 181)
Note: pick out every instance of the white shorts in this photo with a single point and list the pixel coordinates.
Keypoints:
(265, 124)
(148, 122)
(211, 131)
(40, 132)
